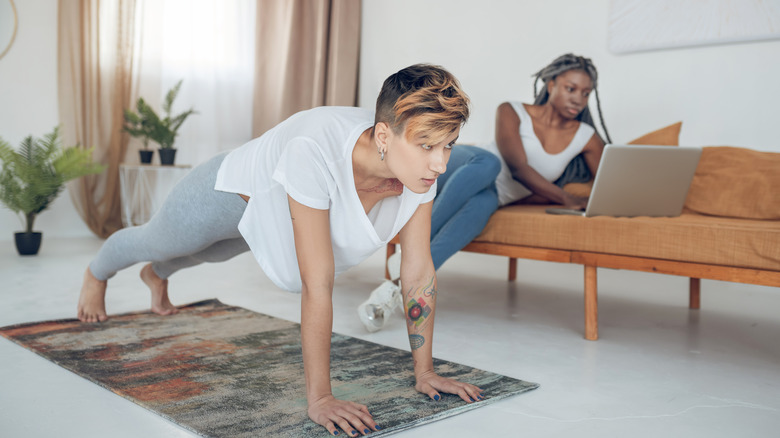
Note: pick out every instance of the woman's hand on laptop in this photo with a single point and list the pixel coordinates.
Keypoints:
(575, 202)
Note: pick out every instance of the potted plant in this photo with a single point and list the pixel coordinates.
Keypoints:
(32, 177)
(136, 125)
(147, 125)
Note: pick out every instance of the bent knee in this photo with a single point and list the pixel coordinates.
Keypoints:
(491, 162)
(488, 162)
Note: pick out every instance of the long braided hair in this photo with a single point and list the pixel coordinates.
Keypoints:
(561, 65)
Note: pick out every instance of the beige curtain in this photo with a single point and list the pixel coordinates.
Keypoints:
(306, 56)
(95, 62)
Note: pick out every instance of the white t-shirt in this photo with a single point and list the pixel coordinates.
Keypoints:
(309, 157)
(550, 166)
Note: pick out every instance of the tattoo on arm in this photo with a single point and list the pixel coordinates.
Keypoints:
(416, 341)
(420, 303)
(428, 290)
(388, 185)
(417, 312)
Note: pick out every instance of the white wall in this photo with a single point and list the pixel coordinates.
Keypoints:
(725, 94)
(28, 106)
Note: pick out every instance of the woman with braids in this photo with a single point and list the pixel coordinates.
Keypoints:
(313, 196)
(552, 142)
(537, 150)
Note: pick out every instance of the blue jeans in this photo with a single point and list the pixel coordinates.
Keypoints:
(465, 199)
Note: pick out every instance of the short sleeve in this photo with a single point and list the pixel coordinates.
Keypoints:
(303, 173)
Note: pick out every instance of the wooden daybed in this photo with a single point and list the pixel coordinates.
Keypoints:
(694, 245)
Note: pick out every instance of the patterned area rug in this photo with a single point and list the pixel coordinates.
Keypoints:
(220, 370)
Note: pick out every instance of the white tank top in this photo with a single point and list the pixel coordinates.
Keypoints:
(550, 166)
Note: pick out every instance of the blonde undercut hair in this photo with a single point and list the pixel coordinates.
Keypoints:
(424, 99)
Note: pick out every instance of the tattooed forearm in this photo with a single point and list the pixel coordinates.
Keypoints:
(417, 311)
(419, 306)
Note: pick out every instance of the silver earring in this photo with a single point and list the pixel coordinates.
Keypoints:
(381, 155)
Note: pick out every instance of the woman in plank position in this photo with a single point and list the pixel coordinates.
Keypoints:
(310, 198)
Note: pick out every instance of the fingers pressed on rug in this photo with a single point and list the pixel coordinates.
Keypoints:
(341, 417)
(470, 393)
(353, 426)
(432, 384)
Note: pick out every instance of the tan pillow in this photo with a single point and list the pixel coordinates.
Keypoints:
(736, 182)
(667, 136)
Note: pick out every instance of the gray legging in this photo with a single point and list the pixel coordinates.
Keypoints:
(195, 224)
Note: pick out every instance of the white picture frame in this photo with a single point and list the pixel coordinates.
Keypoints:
(640, 25)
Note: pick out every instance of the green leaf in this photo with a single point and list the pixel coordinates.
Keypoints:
(34, 175)
(148, 125)
(171, 96)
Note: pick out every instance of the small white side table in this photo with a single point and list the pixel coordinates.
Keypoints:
(143, 188)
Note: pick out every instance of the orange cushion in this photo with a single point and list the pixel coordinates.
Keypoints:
(736, 182)
(666, 136)
(689, 237)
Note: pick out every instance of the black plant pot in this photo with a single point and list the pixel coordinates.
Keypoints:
(167, 156)
(146, 156)
(28, 243)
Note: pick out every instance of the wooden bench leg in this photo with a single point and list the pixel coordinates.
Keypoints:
(390, 251)
(512, 268)
(591, 304)
(694, 301)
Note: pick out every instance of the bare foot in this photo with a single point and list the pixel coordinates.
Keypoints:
(92, 301)
(161, 304)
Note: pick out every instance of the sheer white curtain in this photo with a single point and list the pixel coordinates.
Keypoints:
(210, 44)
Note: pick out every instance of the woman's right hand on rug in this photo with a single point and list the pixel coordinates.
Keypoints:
(431, 384)
(332, 413)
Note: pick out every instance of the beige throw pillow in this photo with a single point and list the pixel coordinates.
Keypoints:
(667, 136)
(736, 182)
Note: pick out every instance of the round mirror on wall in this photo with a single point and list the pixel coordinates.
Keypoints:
(8, 25)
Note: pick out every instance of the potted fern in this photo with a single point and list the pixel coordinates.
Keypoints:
(144, 123)
(137, 125)
(32, 178)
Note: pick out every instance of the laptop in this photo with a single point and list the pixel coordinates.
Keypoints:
(637, 180)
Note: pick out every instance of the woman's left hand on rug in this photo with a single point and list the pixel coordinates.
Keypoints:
(431, 384)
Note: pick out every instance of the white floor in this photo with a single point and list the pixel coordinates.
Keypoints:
(658, 369)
